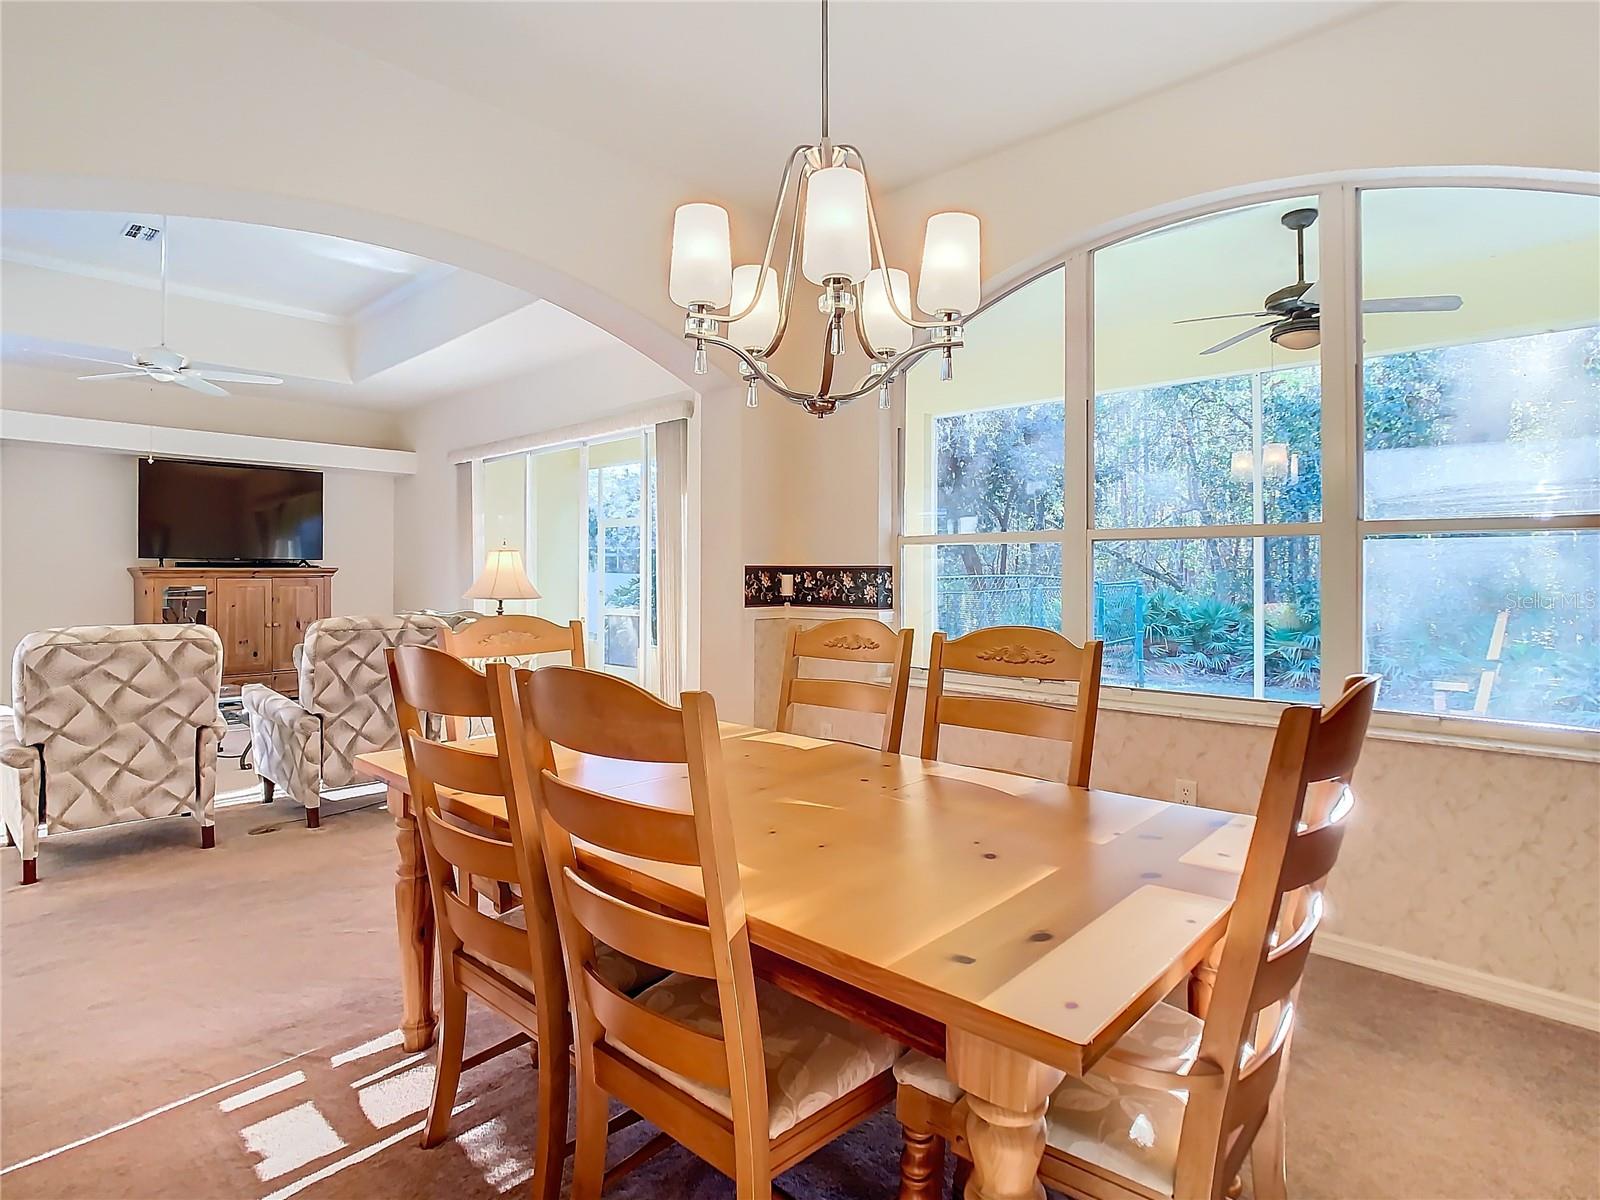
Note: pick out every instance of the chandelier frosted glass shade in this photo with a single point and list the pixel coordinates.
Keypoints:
(950, 281)
(702, 256)
(883, 328)
(837, 242)
(754, 332)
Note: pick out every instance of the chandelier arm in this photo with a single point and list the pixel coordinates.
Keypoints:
(826, 382)
(786, 297)
(772, 236)
(860, 290)
(901, 362)
(877, 244)
(757, 367)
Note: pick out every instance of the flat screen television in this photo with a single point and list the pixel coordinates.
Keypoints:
(228, 512)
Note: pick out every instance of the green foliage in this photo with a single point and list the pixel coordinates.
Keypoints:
(1164, 458)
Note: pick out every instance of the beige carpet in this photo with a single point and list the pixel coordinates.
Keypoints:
(185, 1023)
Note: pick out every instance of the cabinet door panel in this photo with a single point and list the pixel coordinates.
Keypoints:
(295, 604)
(243, 607)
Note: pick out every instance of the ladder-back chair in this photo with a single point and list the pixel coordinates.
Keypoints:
(858, 640)
(750, 1078)
(1177, 1104)
(1017, 652)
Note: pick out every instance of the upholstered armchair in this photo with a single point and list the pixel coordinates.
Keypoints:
(344, 708)
(109, 723)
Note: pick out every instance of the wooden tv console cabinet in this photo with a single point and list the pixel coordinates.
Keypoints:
(261, 614)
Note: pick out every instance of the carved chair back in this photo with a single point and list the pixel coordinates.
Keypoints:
(856, 640)
(1017, 652)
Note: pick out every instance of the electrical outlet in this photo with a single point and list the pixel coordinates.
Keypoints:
(1186, 791)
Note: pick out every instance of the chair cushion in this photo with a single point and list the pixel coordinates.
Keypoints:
(627, 975)
(1126, 1127)
(915, 1069)
(1116, 1125)
(813, 1057)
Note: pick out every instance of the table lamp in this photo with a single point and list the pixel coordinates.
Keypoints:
(502, 579)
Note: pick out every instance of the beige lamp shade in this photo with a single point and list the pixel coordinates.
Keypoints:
(503, 578)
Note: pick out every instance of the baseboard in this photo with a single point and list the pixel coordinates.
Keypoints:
(1511, 993)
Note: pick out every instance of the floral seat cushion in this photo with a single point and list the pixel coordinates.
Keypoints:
(813, 1057)
(1115, 1125)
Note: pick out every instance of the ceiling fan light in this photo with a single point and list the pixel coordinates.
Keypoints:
(950, 280)
(837, 242)
(753, 332)
(1304, 333)
(702, 256)
(886, 332)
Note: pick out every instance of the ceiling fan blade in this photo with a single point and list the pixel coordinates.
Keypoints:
(189, 380)
(1239, 337)
(1312, 295)
(234, 377)
(109, 362)
(1412, 304)
(1223, 317)
(112, 375)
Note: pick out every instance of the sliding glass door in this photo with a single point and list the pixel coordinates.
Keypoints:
(619, 568)
(583, 516)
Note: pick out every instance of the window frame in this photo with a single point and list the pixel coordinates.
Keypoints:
(1343, 528)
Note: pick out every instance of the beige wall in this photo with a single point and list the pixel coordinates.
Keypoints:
(68, 534)
(1480, 860)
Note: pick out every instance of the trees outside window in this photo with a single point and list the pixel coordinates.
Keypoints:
(1466, 452)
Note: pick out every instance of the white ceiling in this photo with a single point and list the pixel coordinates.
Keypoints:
(279, 270)
(715, 93)
(367, 326)
(519, 343)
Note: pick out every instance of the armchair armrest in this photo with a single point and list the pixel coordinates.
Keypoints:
(12, 752)
(274, 708)
(286, 743)
(21, 777)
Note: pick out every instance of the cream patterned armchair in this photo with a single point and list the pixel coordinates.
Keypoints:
(344, 708)
(109, 723)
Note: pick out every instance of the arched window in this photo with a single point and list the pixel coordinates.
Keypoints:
(1357, 427)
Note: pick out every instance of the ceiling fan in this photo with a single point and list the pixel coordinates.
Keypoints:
(1296, 310)
(168, 366)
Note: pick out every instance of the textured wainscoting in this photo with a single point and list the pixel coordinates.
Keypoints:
(1482, 862)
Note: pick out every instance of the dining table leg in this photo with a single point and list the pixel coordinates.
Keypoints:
(1007, 1094)
(413, 910)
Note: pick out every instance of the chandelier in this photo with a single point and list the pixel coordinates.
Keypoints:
(825, 209)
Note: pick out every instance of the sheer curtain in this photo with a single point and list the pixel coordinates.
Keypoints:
(672, 480)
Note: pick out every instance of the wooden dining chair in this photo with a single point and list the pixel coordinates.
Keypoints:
(857, 640)
(748, 1077)
(510, 961)
(514, 638)
(1017, 652)
(1177, 1104)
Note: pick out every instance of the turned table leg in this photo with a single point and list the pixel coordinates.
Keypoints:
(413, 910)
(1007, 1094)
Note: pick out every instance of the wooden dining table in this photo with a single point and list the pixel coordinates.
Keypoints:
(1014, 926)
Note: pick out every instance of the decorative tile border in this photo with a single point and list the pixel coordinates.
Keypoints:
(829, 587)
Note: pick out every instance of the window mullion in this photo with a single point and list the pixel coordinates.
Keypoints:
(1077, 571)
(1341, 586)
